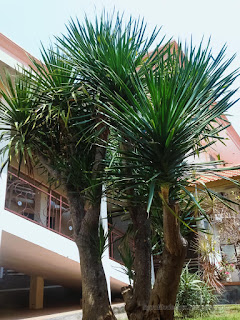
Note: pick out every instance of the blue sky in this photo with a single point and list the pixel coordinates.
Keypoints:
(27, 22)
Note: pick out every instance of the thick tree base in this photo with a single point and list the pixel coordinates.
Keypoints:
(164, 293)
(92, 316)
(133, 309)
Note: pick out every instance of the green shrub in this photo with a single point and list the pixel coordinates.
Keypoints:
(194, 295)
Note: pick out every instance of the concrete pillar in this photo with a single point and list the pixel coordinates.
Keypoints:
(152, 272)
(1, 272)
(36, 292)
(3, 184)
(41, 203)
(105, 257)
(216, 244)
(3, 178)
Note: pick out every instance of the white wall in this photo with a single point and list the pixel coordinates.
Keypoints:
(32, 233)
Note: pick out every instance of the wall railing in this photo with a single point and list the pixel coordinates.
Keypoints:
(36, 202)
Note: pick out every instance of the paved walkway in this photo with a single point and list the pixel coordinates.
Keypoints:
(70, 313)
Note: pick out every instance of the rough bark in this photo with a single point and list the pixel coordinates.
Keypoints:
(163, 296)
(85, 217)
(95, 301)
(142, 251)
(137, 298)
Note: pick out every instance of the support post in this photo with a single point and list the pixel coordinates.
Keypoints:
(152, 272)
(104, 222)
(41, 203)
(36, 292)
(3, 179)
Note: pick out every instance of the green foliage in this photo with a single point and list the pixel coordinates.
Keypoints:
(194, 296)
(102, 241)
(47, 119)
(108, 45)
(167, 115)
(162, 108)
(127, 257)
(222, 312)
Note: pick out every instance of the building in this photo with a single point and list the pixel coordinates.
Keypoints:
(223, 244)
(35, 224)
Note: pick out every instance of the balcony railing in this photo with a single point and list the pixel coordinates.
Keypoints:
(115, 237)
(36, 202)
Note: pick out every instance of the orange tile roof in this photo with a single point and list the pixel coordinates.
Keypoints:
(232, 174)
(15, 50)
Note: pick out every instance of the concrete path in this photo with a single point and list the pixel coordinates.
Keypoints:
(54, 314)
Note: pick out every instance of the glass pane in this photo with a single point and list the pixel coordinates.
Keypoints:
(229, 251)
(34, 201)
(20, 196)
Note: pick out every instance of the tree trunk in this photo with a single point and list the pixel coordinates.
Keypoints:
(137, 298)
(95, 301)
(164, 293)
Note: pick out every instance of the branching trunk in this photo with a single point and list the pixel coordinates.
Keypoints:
(137, 298)
(85, 216)
(163, 296)
(95, 302)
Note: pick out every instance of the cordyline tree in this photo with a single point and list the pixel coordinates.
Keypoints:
(97, 51)
(172, 114)
(160, 109)
(50, 118)
(47, 121)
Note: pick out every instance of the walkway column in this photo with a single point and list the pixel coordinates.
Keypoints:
(36, 292)
(3, 184)
(152, 272)
(105, 257)
(3, 177)
(41, 204)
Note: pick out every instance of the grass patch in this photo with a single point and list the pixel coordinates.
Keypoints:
(224, 312)
(221, 312)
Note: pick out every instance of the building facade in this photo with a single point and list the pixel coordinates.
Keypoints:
(35, 223)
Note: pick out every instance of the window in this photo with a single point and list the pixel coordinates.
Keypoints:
(35, 201)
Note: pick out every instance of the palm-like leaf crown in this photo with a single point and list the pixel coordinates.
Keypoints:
(50, 114)
(162, 107)
(47, 116)
(170, 113)
(96, 48)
